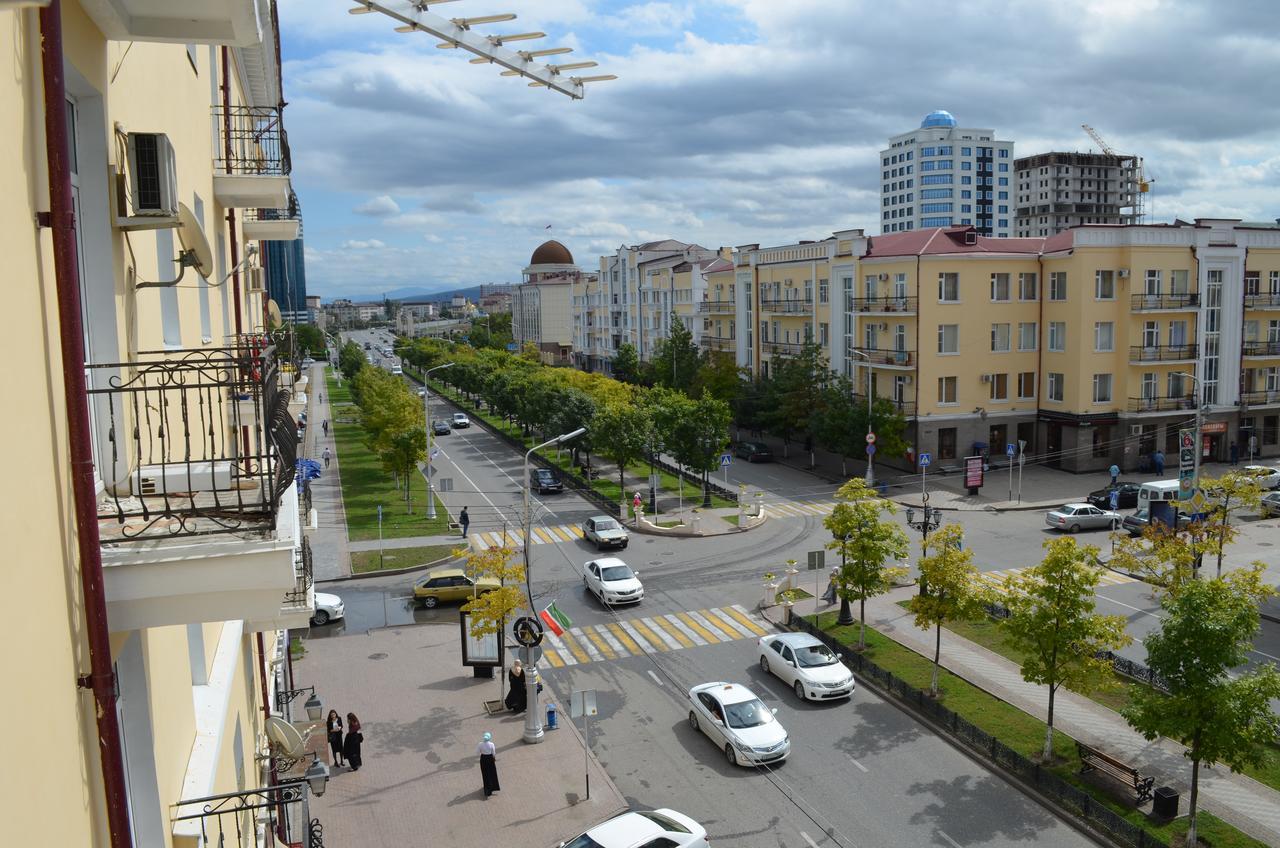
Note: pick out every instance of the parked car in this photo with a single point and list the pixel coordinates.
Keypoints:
(422, 393)
(543, 480)
(739, 723)
(441, 427)
(612, 582)
(1137, 522)
(1270, 504)
(642, 829)
(449, 584)
(328, 608)
(1128, 496)
(810, 667)
(754, 452)
(1075, 517)
(460, 420)
(604, 532)
(1267, 478)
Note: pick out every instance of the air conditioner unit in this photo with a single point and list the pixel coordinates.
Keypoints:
(884, 277)
(1123, 273)
(986, 378)
(884, 328)
(153, 176)
(1135, 429)
(255, 281)
(181, 477)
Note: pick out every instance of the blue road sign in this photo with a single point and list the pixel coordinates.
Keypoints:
(726, 459)
(871, 449)
(925, 459)
(379, 512)
(1115, 498)
(1010, 449)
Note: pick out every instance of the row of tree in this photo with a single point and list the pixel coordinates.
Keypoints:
(1220, 712)
(390, 415)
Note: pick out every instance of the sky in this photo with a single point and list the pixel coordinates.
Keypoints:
(741, 121)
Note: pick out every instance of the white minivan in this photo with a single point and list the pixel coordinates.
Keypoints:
(1157, 490)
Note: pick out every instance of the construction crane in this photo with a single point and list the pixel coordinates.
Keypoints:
(1140, 178)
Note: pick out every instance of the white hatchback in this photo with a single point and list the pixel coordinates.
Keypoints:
(738, 722)
(612, 581)
(644, 828)
(810, 667)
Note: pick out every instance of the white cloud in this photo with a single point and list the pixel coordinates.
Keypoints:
(378, 207)
(363, 244)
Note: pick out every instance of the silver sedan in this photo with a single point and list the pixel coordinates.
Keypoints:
(1074, 517)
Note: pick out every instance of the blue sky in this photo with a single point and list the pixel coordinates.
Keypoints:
(740, 121)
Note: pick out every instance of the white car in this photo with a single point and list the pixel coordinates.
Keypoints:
(738, 722)
(328, 608)
(1074, 517)
(460, 419)
(1270, 505)
(644, 829)
(810, 667)
(612, 581)
(1267, 478)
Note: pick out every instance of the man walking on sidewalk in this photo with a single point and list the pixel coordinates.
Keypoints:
(325, 426)
(465, 521)
(327, 455)
(1115, 474)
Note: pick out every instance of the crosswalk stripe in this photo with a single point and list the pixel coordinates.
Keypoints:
(477, 541)
(603, 630)
(740, 615)
(542, 535)
(671, 630)
(689, 632)
(563, 533)
(710, 621)
(576, 648)
(553, 658)
(658, 642)
(594, 638)
(561, 649)
(729, 621)
(622, 636)
(696, 626)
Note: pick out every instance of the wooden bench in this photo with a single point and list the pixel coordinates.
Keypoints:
(1091, 759)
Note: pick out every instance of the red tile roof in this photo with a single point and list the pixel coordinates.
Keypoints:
(717, 264)
(947, 240)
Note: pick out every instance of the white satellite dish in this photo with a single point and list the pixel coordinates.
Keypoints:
(196, 252)
(285, 737)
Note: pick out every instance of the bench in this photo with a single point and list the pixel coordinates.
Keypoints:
(1091, 759)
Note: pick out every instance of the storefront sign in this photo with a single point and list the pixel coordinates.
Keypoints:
(973, 472)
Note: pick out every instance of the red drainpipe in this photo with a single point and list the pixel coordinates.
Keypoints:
(231, 213)
(101, 677)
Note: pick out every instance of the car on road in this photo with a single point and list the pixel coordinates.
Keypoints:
(612, 582)
(644, 829)
(1127, 495)
(754, 452)
(1267, 478)
(460, 420)
(604, 532)
(444, 585)
(422, 393)
(328, 608)
(1074, 517)
(1270, 504)
(543, 480)
(1137, 522)
(739, 723)
(440, 427)
(810, 668)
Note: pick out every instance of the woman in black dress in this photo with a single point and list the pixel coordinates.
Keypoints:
(488, 765)
(351, 745)
(334, 725)
(517, 699)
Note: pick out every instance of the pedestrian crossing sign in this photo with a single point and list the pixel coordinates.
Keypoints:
(726, 459)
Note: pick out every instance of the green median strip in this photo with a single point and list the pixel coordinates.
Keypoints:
(363, 562)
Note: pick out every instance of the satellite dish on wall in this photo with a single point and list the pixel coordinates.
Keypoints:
(273, 312)
(196, 252)
(285, 737)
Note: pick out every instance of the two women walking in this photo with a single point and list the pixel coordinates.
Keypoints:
(345, 747)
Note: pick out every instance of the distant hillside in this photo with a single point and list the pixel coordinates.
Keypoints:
(420, 293)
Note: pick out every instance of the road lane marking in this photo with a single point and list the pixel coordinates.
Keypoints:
(683, 628)
(806, 838)
(656, 678)
(622, 637)
(553, 658)
(543, 536)
(709, 637)
(613, 643)
(722, 617)
(660, 640)
(671, 630)
(563, 532)
(574, 648)
(856, 763)
(953, 843)
(744, 618)
(594, 638)
(707, 618)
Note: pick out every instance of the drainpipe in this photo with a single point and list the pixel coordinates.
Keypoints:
(101, 678)
(231, 213)
(266, 714)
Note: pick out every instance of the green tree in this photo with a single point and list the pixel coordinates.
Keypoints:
(954, 593)
(700, 438)
(311, 340)
(401, 452)
(621, 431)
(574, 409)
(796, 389)
(868, 540)
(1229, 493)
(674, 363)
(719, 375)
(1052, 623)
(1214, 707)
(842, 425)
(626, 364)
(350, 360)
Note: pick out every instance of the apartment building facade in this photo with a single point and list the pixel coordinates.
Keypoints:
(943, 175)
(1055, 191)
(154, 518)
(542, 307)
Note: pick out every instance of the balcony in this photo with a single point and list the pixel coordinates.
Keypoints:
(786, 306)
(272, 224)
(719, 342)
(882, 305)
(1271, 398)
(253, 172)
(783, 348)
(882, 356)
(1162, 404)
(229, 819)
(199, 518)
(1163, 353)
(1262, 301)
(192, 21)
(1164, 302)
(905, 408)
(1262, 349)
(717, 306)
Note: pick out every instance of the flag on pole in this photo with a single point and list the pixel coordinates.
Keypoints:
(556, 621)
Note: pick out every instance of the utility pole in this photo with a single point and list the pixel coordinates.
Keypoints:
(426, 411)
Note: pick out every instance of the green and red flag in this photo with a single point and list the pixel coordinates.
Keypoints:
(556, 621)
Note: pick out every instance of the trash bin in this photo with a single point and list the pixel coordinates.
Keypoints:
(551, 725)
(1165, 803)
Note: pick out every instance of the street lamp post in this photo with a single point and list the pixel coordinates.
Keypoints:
(532, 719)
(930, 518)
(871, 466)
(426, 411)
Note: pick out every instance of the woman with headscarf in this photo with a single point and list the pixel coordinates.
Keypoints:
(517, 698)
(351, 744)
(488, 764)
(334, 726)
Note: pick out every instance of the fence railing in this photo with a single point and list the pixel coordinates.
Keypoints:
(884, 356)
(1262, 301)
(303, 578)
(1162, 353)
(1147, 302)
(786, 306)
(1268, 348)
(717, 306)
(259, 144)
(1259, 398)
(1161, 404)
(882, 304)
(694, 478)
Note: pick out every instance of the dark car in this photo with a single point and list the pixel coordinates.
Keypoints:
(440, 428)
(543, 480)
(754, 452)
(1128, 496)
(1137, 522)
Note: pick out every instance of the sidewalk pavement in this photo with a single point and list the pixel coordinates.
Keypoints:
(1242, 801)
(330, 550)
(423, 715)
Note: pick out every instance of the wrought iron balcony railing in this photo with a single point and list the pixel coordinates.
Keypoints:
(1162, 353)
(881, 304)
(720, 306)
(882, 356)
(718, 342)
(905, 408)
(197, 442)
(259, 144)
(784, 348)
(1161, 404)
(1148, 302)
(1262, 348)
(297, 598)
(284, 808)
(1261, 398)
(1262, 301)
(786, 306)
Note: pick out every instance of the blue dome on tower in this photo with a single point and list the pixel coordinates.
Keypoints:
(940, 118)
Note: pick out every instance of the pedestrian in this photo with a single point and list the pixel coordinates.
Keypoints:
(351, 744)
(517, 699)
(488, 764)
(325, 426)
(1235, 454)
(327, 456)
(1115, 474)
(334, 725)
(1158, 460)
(465, 521)
(635, 507)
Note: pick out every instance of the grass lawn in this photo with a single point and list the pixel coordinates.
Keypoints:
(668, 524)
(1022, 732)
(732, 519)
(365, 485)
(365, 561)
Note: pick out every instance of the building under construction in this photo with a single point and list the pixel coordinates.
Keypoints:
(1060, 190)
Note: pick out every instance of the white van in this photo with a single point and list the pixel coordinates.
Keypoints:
(1158, 490)
(395, 369)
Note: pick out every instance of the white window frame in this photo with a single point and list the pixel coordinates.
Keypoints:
(1100, 381)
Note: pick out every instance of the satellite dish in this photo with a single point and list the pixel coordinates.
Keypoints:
(273, 312)
(285, 737)
(195, 247)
